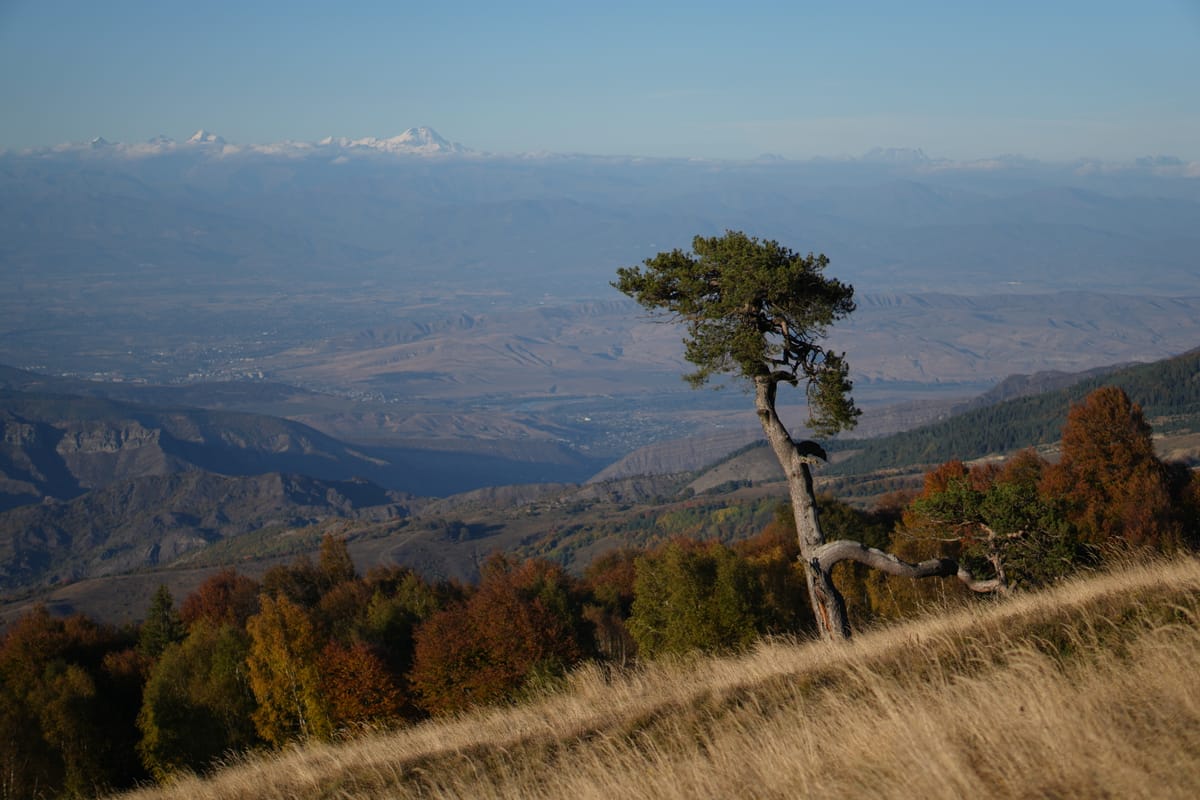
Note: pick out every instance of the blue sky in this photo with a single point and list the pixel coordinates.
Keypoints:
(1050, 80)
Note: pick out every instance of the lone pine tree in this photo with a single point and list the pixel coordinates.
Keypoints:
(758, 311)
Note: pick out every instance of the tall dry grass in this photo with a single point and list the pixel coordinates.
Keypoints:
(1088, 690)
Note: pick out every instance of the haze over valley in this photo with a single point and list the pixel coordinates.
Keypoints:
(421, 294)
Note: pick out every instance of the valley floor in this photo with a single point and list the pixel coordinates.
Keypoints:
(1085, 690)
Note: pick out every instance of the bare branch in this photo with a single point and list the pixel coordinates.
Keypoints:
(830, 553)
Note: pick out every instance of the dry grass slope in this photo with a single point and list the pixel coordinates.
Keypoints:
(1085, 691)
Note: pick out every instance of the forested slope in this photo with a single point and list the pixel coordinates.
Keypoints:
(1168, 392)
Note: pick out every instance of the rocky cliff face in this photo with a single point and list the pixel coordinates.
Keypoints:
(100, 452)
(106, 438)
(30, 467)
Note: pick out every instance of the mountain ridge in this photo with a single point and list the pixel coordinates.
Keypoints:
(62, 445)
(155, 521)
(415, 141)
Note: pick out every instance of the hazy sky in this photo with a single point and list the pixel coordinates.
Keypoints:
(1052, 79)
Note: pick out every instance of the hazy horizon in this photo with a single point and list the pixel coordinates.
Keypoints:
(881, 153)
(699, 80)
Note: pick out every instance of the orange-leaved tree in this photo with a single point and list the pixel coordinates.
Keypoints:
(225, 598)
(68, 699)
(357, 686)
(1116, 489)
(523, 622)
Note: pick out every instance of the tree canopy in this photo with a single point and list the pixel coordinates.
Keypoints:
(759, 311)
(756, 310)
(1117, 490)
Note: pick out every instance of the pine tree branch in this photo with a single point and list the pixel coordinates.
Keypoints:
(830, 553)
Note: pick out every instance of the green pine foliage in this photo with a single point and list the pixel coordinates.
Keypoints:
(755, 310)
(1005, 522)
(162, 626)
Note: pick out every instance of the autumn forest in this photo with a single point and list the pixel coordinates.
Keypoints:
(314, 651)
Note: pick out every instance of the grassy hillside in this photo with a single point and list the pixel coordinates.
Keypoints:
(1087, 690)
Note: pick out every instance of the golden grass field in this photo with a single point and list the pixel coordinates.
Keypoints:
(1089, 690)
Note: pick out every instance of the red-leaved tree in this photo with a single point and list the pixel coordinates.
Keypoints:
(523, 622)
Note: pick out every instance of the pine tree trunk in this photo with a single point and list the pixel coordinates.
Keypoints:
(829, 608)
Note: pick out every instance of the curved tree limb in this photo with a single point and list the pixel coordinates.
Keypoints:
(830, 553)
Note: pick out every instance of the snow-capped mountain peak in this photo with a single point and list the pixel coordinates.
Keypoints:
(203, 136)
(420, 141)
(414, 141)
(897, 155)
(424, 139)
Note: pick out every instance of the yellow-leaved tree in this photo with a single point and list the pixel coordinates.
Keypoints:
(284, 675)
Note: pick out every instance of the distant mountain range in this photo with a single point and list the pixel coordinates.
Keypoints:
(415, 210)
(421, 141)
(61, 446)
(483, 282)
(425, 141)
